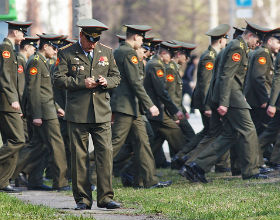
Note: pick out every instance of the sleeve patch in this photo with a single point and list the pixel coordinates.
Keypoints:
(6, 54)
(33, 71)
(134, 60)
(209, 66)
(170, 78)
(236, 57)
(20, 69)
(262, 60)
(160, 73)
(57, 62)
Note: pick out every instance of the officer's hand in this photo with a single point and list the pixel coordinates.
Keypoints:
(180, 115)
(60, 112)
(90, 83)
(264, 105)
(208, 113)
(154, 111)
(102, 81)
(222, 110)
(271, 111)
(15, 105)
(187, 115)
(37, 122)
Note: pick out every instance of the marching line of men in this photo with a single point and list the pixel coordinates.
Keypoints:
(130, 101)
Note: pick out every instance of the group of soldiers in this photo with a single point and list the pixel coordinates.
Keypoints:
(55, 93)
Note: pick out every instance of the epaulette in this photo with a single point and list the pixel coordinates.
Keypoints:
(211, 54)
(36, 57)
(241, 45)
(172, 66)
(66, 46)
(105, 46)
(160, 62)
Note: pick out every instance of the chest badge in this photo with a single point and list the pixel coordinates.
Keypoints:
(20, 69)
(103, 61)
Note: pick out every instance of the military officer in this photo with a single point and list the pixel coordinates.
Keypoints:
(204, 74)
(11, 124)
(87, 70)
(125, 105)
(259, 81)
(234, 109)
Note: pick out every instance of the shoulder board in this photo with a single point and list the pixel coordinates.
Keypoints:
(6, 43)
(105, 46)
(36, 57)
(211, 54)
(242, 45)
(66, 46)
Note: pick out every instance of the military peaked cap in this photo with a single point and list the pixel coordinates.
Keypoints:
(19, 25)
(219, 31)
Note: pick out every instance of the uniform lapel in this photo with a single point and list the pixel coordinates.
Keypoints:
(80, 53)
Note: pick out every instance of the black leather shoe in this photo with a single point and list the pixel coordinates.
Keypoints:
(198, 172)
(127, 179)
(256, 176)
(42, 187)
(186, 171)
(21, 180)
(177, 162)
(264, 169)
(275, 166)
(110, 205)
(63, 188)
(82, 206)
(161, 184)
(9, 189)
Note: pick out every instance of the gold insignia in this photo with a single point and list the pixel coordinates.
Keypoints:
(172, 66)
(266, 50)
(241, 45)
(68, 45)
(36, 57)
(211, 54)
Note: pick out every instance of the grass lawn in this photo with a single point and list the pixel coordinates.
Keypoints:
(12, 208)
(225, 197)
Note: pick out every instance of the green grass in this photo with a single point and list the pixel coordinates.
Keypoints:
(12, 208)
(223, 198)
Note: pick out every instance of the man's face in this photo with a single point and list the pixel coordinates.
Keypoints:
(274, 44)
(30, 50)
(166, 56)
(138, 41)
(19, 36)
(182, 58)
(253, 41)
(87, 45)
(50, 50)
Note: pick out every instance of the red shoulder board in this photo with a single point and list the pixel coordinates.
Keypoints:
(262, 60)
(57, 61)
(160, 73)
(20, 69)
(134, 60)
(209, 66)
(170, 78)
(6, 54)
(33, 71)
(236, 57)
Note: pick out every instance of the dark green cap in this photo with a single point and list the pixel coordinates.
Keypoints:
(137, 29)
(92, 29)
(29, 40)
(19, 25)
(186, 48)
(219, 31)
(121, 37)
(274, 33)
(256, 29)
(50, 39)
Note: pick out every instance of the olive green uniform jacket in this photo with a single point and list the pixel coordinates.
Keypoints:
(155, 85)
(259, 77)
(228, 89)
(204, 75)
(73, 67)
(275, 89)
(127, 96)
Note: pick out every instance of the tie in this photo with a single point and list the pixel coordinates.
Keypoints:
(89, 57)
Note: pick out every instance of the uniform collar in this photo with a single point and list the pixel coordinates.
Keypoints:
(210, 48)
